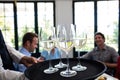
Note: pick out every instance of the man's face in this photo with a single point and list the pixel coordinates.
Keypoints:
(99, 40)
(34, 44)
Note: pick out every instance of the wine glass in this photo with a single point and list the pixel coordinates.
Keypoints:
(79, 42)
(59, 35)
(66, 44)
(47, 37)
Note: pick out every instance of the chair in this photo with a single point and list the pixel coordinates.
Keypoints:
(117, 74)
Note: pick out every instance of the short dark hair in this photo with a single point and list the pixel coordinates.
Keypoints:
(28, 37)
(99, 33)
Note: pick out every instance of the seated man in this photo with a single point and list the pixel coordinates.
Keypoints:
(103, 53)
(29, 44)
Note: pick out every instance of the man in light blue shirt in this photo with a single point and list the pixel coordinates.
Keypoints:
(29, 44)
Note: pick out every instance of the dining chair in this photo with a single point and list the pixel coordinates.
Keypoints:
(117, 73)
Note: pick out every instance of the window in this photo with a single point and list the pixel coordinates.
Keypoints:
(45, 16)
(7, 22)
(98, 16)
(84, 19)
(25, 19)
(108, 21)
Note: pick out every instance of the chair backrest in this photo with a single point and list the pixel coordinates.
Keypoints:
(117, 74)
(6, 59)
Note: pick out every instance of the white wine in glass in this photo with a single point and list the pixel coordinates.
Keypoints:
(58, 38)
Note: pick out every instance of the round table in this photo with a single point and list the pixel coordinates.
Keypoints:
(94, 69)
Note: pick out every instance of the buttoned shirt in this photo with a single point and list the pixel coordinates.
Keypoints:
(107, 54)
(21, 67)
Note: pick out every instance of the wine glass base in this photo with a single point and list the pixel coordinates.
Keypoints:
(79, 68)
(69, 73)
(61, 65)
(51, 70)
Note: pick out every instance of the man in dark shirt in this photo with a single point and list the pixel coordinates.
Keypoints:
(104, 53)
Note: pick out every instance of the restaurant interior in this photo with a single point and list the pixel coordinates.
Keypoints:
(71, 18)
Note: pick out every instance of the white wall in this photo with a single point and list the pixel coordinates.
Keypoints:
(63, 11)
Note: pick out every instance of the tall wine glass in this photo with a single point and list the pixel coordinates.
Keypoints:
(79, 42)
(66, 44)
(59, 35)
(47, 37)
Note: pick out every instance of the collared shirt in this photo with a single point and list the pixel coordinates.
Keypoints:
(56, 54)
(107, 54)
(21, 67)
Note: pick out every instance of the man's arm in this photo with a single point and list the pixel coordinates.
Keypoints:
(111, 65)
(16, 55)
(20, 58)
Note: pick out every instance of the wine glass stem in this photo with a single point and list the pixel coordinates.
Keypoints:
(60, 56)
(50, 65)
(68, 67)
(78, 57)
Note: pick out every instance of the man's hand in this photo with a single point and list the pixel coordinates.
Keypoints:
(28, 61)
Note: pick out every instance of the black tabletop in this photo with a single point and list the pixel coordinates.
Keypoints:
(94, 69)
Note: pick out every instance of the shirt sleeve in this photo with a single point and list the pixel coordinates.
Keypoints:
(88, 55)
(16, 55)
(114, 54)
(11, 75)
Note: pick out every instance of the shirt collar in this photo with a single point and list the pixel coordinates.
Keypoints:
(25, 51)
(104, 48)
